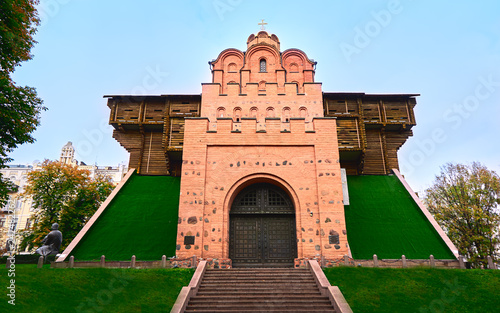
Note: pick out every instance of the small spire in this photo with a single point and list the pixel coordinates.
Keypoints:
(262, 25)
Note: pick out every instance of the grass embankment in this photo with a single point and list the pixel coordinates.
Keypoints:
(93, 289)
(418, 289)
(140, 221)
(383, 219)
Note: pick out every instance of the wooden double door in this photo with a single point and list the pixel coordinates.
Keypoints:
(262, 228)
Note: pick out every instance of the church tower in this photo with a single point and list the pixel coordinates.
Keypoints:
(261, 179)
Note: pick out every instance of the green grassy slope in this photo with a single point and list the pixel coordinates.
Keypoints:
(383, 219)
(93, 289)
(140, 221)
(422, 290)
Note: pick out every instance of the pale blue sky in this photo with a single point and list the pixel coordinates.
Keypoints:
(448, 51)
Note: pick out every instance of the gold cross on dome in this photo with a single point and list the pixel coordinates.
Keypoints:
(262, 25)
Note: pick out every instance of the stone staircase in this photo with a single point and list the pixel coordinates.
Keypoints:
(259, 290)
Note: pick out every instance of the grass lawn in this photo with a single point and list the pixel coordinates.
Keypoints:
(383, 219)
(93, 290)
(418, 289)
(141, 220)
(155, 290)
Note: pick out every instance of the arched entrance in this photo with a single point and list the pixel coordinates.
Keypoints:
(262, 228)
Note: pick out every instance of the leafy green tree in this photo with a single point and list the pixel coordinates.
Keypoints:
(83, 206)
(20, 107)
(6, 187)
(62, 194)
(464, 200)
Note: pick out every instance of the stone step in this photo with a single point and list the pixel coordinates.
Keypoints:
(260, 292)
(260, 310)
(270, 278)
(288, 301)
(251, 289)
(257, 270)
(305, 306)
(233, 272)
(257, 274)
(248, 286)
(259, 281)
(259, 298)
(255, 308)
(260, 278)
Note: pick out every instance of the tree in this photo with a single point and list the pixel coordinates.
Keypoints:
(20, 108)
(62, 194)
(465, 201)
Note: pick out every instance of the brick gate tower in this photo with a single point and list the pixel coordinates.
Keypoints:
(261, 180)
(259, 154)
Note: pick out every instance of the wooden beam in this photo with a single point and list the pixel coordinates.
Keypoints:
(382, 152)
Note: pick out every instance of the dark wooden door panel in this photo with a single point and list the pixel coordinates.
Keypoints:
(279, 239)
(262, 228)
(245, 233)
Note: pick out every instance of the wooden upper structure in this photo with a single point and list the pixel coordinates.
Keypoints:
(370, 127)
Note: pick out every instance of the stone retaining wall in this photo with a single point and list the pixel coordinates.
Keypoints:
(389, 263)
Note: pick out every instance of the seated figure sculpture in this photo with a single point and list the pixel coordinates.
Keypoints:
(51, 243)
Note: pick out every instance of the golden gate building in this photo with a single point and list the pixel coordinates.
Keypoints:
(260, 154)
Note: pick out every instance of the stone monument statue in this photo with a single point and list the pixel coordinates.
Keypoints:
(52, 242)
(9, 245)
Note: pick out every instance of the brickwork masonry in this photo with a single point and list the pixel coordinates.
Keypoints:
(252, 102)
(221, 160)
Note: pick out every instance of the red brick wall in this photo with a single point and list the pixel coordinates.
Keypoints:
(311, 100)
(261, 127)
(234, 66)
(218, 163)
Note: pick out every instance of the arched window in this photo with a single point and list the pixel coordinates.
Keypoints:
(263, 65)
(286, 115)
(237, 114)
(262, 85)
(221, 112)
(270, 112)
(254, 112)
(231, 68)
(303, 112)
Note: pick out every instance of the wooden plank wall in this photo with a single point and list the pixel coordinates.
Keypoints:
(396, 112)
(369, 129)
(394, 140)
(150, 127)
(371, 112)
(184, 109)
(347, 134)
(154, 111)
(132, 142)
(374, 162)
(376, 126)
(351, 167)
(127, 112)
(176, 132)
(153, 156)
(341, 107)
